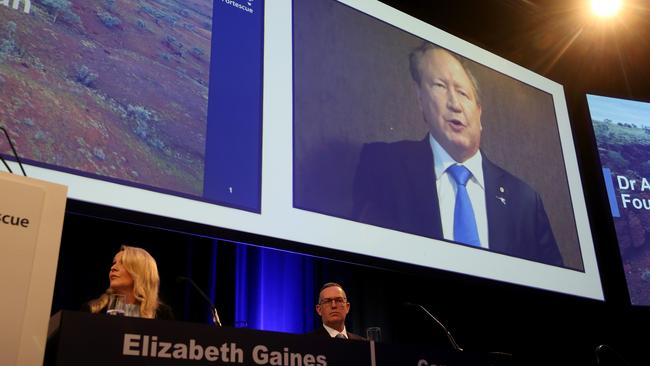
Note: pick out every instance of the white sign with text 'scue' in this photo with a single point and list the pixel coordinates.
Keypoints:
(31, 220)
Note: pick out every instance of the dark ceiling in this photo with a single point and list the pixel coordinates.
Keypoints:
(559, 39)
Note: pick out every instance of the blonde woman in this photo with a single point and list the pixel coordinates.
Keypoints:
(133, 274)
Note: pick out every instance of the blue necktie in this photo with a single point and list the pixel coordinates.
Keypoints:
(465, 230)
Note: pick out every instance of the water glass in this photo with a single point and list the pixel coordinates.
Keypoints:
(373, 334)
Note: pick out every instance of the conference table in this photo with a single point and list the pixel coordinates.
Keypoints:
(77, 338)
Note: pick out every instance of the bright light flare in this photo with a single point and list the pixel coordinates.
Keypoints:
(605, 8)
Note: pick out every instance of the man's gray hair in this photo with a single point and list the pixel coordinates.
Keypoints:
(415, 59)
(327, 285)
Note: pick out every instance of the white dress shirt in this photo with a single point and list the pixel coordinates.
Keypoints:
(446, 188)
(333, 332)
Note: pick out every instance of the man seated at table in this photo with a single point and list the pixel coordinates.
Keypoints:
(333, 307)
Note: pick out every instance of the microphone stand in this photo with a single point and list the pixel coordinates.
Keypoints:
(13, 149)
(449, 336)
(213, 309)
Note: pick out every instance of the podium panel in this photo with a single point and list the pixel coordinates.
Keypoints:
(103, 340)
(83, 339)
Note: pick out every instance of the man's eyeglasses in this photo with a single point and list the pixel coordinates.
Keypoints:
(339, 301)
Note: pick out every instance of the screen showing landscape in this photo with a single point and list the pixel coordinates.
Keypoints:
(622, 129)
(158, 106)
(137, 92)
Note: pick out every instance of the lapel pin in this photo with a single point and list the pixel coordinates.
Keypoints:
(502, 198)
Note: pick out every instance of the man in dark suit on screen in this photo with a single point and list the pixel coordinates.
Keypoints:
(443, 186)
(333, 308)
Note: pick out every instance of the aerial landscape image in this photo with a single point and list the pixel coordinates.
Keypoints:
(113, 89)
(622, 129)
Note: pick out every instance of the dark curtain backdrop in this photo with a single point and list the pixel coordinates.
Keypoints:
(274, 290)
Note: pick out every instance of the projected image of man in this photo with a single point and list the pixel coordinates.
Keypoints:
(443, 186)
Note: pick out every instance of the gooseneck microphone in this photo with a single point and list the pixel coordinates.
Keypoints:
(13, 149)
(213, 309)
(449, 336)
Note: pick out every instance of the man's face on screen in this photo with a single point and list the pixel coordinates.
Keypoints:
(333, 307)
(449, 104)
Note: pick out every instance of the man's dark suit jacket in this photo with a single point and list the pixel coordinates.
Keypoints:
(322, 332)
(395, 188)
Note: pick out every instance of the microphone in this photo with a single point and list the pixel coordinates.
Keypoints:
(449, 336)
(213, 309)
(13, 149)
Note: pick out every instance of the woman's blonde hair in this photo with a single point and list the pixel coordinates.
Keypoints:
(144, 271)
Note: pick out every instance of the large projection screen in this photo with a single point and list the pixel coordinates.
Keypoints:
(622, 130)
(159, 95)
(336, 77)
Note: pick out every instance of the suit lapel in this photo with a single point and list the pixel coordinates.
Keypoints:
(496, 204)
(421, 180)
